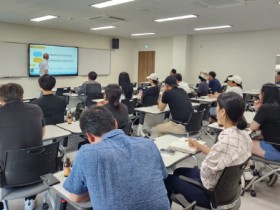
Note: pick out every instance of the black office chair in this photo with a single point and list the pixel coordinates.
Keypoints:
(61, 91)
(127, 128)
(271, 134)
(130, 103)
(227, 190)
(149, 100)
(93, 91)
(22, 171)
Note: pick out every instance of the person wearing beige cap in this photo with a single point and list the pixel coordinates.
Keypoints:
(148, 95)
(235, 85)
(203, 87)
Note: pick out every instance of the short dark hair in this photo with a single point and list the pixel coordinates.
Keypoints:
(178, 77)
(212, 74)
(234, 106)
(113, 94)
(271, 94)
(97, 120)
(92, 75)
(11, 91)
(47, 82)
(173, 71)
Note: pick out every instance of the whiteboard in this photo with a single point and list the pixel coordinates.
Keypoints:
(94, 60)
(13, 59)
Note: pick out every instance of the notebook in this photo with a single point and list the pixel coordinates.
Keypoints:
(182, 145)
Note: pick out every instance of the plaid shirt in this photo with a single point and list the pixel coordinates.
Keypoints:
(233, 148)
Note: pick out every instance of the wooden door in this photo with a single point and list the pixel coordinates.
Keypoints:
(146, 65)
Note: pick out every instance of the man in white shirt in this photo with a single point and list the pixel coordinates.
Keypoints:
(44, 65)
(182, 84)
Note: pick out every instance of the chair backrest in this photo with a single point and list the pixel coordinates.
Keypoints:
(25, 166)
(271, 132)
(93, 91)
(195, 122)
(206, 108)
(60, 91)
(126, 128)
(227, 189)
(130, 103)
(191, 95)
(150, 100)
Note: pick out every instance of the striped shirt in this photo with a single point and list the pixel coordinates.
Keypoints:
(233, 148)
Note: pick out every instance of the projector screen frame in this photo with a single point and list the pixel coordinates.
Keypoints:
(56, 75)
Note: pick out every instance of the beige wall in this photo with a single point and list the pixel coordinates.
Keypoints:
(252, 55)
(121, 59)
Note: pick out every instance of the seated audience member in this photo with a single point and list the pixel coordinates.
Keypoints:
(203, 87)
(172, 72)
(21, 126)
(234, 84)
(182, 84)
(180, 107)
(214, 84)
(92, 76)
(277, 80)
(53, 106)
(127, 87)
(233, 148)
(152, 91)
(224, 87)
(268, 111)
(116, 171)
(112, 103)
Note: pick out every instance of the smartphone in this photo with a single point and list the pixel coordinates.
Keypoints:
(167, 151)
(49, 179)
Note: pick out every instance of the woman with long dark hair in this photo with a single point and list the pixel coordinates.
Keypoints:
(268, 112)
(232, 148)
(124, 82)
(112, 102)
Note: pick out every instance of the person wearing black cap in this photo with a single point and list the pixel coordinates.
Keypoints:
(179, 104)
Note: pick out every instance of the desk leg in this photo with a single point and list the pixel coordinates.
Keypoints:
(60, 203)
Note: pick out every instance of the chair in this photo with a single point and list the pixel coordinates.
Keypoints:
(61, 91)
(130, 103)
(93, 91)
(227, 190)
(194, 125)
(150, 100)
(205, 118)
(271, 134)
(22, 171)
(126, 128)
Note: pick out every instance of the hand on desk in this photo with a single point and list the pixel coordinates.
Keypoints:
(195, 144)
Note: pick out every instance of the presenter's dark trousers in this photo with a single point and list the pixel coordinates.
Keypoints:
(190, 192)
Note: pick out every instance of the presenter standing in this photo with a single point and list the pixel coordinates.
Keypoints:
(44, 65)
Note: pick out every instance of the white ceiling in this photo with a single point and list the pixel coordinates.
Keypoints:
(243, 15)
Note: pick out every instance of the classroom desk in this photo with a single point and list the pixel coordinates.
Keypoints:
(74, 127)
(252, 92)
(53, 132)
(101, 99)
(170, 161)
(204, 99)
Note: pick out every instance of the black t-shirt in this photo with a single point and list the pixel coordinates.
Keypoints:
(53, 108)
(268, 113)
(20, 127)
(120, 113)
(151, 91)
(179, 104)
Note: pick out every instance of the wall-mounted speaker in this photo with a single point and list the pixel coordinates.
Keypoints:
(115, 43)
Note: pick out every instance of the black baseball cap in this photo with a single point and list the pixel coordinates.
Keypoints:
(171, 81)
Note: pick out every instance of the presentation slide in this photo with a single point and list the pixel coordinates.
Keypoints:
(63, 61)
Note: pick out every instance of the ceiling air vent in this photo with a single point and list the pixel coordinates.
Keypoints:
(105, 19)
(220, 3)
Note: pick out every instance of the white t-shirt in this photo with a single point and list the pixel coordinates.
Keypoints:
(235, 89)
(184, 86)
(44, 65)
